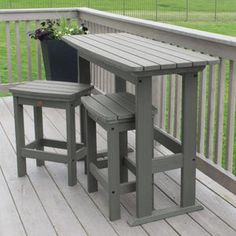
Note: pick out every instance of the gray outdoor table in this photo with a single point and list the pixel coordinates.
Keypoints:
(136, 59)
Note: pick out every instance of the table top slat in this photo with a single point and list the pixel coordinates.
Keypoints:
(91, 52)
(159, 55)
(173, 49)
(134, 49)
(118, 52)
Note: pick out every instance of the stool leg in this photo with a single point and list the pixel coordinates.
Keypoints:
(20, 137)
(113, 174)
(92, 152)
(71, 144)
(83, 132)
(38, 127)
(123, 154)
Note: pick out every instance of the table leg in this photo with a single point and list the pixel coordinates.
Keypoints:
(83, 71)
(144, 147)
(38, 127)
(71, 144)
(120, 86)
(189, 122)
(85, 78)
(20, 137)
(144, 151)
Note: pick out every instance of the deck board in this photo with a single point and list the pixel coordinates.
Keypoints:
(22, 190)
(64, 210)
(9, 214)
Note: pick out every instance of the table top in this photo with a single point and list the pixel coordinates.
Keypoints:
(134, 53)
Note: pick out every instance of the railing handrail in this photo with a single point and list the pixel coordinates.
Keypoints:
(179, 30)
(37, 14)
(211, 43)
(213, 37)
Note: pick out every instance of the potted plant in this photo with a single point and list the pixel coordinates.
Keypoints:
(60, 59)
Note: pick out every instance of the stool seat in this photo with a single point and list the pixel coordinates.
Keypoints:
(112, 108)
(54, 90)
(116, 114)
(53, 94)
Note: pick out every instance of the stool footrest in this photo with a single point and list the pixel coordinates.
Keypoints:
(103, 153)
(42, 155)
(102, 179)
(51, 143)
(101, 164)
(81, 153)
(58, 144)
(30, 151)
(99, 176)
(34, 145)
(128, 187)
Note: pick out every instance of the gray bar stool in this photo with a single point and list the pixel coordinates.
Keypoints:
(116, 114)
(53, 94)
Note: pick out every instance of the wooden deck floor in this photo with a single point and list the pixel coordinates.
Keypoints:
(42, 204)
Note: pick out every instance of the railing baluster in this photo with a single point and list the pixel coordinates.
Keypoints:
(220, 112)
(94, 75)
(211, 112)
(178, 105)
(94, 30)
(202, 112)
(18, 53)
(163, 103)
(155, 98)
(231, 115)
(103, 80)
(109, 76)
(28, 40)
(97, 31)
(38, 58)
(8, 46)
(89, 25)
(171, 105)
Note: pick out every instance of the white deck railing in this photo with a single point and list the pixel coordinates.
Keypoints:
(216, 114)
